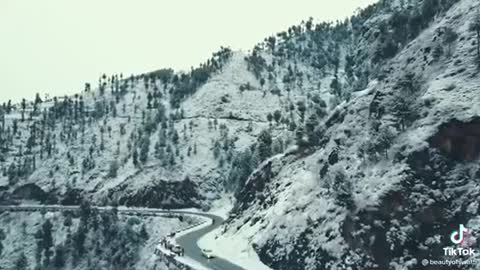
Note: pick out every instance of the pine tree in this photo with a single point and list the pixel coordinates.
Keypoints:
(269, 117)
(24, 107)
(384, 140)
(162, 138)
(277, 115)
(310, 126)
(9, 106)
(264, 145)
(21, 263)
(79, 239)
(175, 137)
(135, 157)
(300, 137)
(15, 126)
(37, 101)
(2, 237)
(301, 107)
(271, 42)
(172, 159)
(335, 86)
(12, 173)
(339, 183)
(59, 257)
(144, 148)
(216, 149)
(221, 161)
(149, 100)
(44, 242)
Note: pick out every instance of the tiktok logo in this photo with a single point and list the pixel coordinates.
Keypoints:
(457, 237)
(463, 242)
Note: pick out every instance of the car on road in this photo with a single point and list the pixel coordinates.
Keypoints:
(207, 253)
(178, 250)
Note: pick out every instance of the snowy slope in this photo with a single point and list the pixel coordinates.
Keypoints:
(296, 214)
(347, 146)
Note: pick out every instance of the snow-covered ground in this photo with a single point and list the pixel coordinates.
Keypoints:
(233, 247)
(222, 206)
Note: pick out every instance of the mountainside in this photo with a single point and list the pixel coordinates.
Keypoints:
(394, 172)
(352, 145)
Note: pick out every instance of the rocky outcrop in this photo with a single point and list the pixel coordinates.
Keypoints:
(32, 192)
(459, 140)
(158, 194)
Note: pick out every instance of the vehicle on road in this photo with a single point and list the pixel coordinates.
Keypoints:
(178, 250)
(207, 253)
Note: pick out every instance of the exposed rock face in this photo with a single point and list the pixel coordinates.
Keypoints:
(459, 140)
(410, 223)
(430, 203)
(72, 197)
(158, 194)
(30, 192)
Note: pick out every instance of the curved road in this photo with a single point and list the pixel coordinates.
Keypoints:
(187, 241)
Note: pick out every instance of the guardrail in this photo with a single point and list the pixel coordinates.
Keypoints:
(168, 254)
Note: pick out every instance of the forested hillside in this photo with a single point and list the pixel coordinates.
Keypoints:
(347, 145)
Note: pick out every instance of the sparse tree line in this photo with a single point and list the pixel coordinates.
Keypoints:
(63, 121)
(94, 239)
(185, 84)
(24, 142)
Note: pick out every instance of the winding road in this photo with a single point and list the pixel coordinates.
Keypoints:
(188, 241)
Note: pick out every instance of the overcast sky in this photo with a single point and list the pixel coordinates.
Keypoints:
(55, 46)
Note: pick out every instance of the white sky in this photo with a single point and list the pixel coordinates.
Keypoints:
(55, 46)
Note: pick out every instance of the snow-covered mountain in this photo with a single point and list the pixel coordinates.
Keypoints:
(395, 170)
(347, 145)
